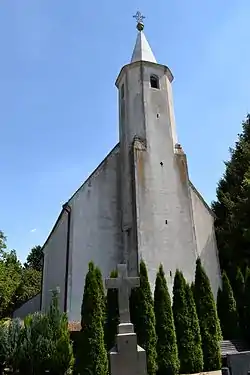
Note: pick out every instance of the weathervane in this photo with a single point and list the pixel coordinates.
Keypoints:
(139, 18)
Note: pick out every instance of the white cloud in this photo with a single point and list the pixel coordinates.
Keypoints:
(33, 230)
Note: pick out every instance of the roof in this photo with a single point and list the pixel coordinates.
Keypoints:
(74, 326)
(142, 50)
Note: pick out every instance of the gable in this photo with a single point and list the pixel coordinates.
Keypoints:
(114, 151)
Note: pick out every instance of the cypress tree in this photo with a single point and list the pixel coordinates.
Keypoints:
(167, 353)
(142, 316)
(208, 320)
(192, 287)
(182, 323)
(101, 292)
(227, 310)
(239, 293)
(93, 351)
(197, 355)
(112, 314)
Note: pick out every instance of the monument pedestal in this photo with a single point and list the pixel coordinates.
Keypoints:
(127, 358)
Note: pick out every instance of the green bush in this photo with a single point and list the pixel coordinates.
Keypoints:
(93, 352)
(41, 343)
(45, 343)
(208, 319)
(142, 316)
(14, 344)
(3, 344)
(167, 353)
(227, 310)
(36, 345)
(112, 315)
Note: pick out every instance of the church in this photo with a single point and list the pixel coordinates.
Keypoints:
(139, 203)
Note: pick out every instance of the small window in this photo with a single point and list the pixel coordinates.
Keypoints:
(154, 82)
(122, 91)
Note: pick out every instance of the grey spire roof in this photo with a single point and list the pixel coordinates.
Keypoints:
(142, 50)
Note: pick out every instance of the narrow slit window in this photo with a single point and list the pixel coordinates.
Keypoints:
(122, 91)
(154, 82)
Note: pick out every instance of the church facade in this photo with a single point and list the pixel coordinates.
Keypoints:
(139, 203)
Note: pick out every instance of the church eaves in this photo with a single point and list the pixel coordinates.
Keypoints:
(142, 50)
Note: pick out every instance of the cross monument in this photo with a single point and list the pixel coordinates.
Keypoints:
(124, 284)
(126, 357)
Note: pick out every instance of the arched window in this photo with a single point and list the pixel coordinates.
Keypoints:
(154, 82)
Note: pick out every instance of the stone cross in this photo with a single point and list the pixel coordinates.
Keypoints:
(124, 284)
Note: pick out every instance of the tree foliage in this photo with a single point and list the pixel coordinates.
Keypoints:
(142, 316)
(197, 354)
(2, 242)
(167, 353)
(208, 319)
(17, 283)
(112, 315)
(186, 327)
(35, 259)
(101, 293)
(10, 278)
(239, 293)
(247, 305)
(232, 207)
(41, 344)
(227, 310)
(94, 356)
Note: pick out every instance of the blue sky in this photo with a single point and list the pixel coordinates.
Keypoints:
(58, 103)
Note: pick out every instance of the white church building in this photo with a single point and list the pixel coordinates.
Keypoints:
(139, 203)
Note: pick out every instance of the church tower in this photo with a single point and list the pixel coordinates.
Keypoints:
(157, 207)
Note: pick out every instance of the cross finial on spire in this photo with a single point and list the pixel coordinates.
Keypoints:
(139, 18)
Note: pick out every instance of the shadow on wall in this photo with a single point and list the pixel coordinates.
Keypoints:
(210, 261)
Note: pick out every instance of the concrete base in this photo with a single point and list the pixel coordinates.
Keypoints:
(127, 358)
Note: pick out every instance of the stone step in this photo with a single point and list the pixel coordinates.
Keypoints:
(233, 346)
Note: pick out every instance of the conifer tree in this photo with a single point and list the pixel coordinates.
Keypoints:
(197, 355)
(93, 354)
(208, 320)
(142, 316)
(232, 207)
(101, 292)
(62, 359)
(227, 310)
(239, 293)
(247, 305)
(167, 353)
(183, 328)
(112, 313)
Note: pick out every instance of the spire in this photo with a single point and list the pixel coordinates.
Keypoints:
(142, 50)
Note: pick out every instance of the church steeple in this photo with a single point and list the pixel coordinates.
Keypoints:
(142, 50)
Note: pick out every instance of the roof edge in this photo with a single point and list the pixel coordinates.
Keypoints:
(202, 199)
(94, 171)
(66, 206)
